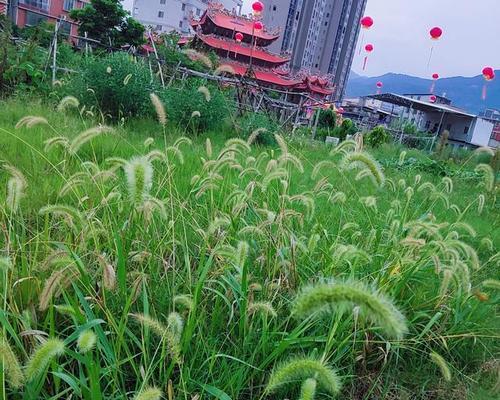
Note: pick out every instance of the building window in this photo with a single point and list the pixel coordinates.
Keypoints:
(160, 14)
(183, 7)
(163, 1)
(159, 27)
(68, 5)
(65, 27)
(33, 19)
(198, 12)
(466, 130)
(40, 4)
(180, 24)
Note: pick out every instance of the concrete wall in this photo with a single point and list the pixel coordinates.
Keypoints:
(481, 132)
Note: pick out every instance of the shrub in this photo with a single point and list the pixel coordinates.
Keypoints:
(196, 107)
(377, 137)
(250, 122)
(116, 85)
(327, 119)
(346, 128)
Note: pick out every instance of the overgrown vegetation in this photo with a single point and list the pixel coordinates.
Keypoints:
(139, 263)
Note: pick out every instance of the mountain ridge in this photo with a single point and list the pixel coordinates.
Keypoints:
(464, 92)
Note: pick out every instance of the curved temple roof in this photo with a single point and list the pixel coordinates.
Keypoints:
(230, 45)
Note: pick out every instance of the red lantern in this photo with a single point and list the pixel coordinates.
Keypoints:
(436, 33)
(433, 99)
(257, 8)
(380, 85)
(238, 37)
(340, 110)
(435, 76)
(258, 26)
(369, 48)
(488, 73)
(366, 22)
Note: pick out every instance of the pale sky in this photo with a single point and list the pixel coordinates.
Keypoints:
(400, 35)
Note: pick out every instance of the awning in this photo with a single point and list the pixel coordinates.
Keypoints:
(419, 105)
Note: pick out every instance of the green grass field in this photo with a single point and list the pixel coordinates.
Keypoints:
(135, 261)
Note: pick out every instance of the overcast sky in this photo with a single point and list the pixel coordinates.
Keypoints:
(471, 38)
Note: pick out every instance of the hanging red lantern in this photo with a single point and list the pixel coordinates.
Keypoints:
(488, 73)
(435, 76)
(366, 22)
(369, 48)
(433, 99)
(238, 37)
(436, 33)
(380, 85)
(257, 8)
(258, 26)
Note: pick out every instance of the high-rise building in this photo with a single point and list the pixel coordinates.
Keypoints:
(32, 12)
(170, 15)
(321, 35)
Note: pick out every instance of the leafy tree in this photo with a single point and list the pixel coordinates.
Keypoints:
(106, 20)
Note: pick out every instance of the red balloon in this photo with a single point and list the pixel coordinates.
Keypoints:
(436, 33)
(258, 26)
(435, 76)
(433, 99)
(367, 22)
(257, 7)
(369, 48)
(379, 84)
(238, 36)
(488, 73)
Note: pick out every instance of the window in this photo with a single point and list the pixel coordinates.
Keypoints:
(33, 19)
(183, 7)
(68, 5)
(198, 12)
(159, 27)
(274, 8)
(65, 27)
(40, 4)
(180, 24)
(326, 23)
(163, 1)
(466, 130)
(160, 14)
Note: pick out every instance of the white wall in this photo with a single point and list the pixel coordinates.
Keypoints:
(482, 132)
(174, 16)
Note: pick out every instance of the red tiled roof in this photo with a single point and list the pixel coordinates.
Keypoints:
(264, 76)
(238, 24)
(227, 45)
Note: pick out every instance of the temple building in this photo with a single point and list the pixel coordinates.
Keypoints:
(242, 43)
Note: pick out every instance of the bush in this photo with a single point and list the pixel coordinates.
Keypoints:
(327, 119)
(377, 137)
(346, 128)
(252, 121)
(184, 103)
(116, 85)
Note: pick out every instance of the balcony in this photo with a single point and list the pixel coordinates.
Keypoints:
(42, 5)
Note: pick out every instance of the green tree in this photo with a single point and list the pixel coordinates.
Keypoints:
(106, 20)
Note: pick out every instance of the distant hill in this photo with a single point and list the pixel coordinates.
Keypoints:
(464, 92)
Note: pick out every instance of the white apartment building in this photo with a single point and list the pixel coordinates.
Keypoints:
(170, 15)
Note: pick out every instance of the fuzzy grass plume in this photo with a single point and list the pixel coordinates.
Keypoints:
(335, 297)
(139, 175)
(150, 393)
(30, 121)
(205, 92)
(308, 389)
(300, 369)
(16, 187)
(442, 364)
(364, 160)
(159, 108)
(86, 341)
(42, 356)
(86, 136)
(68, 102)
(10, 364)
(488, 175)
